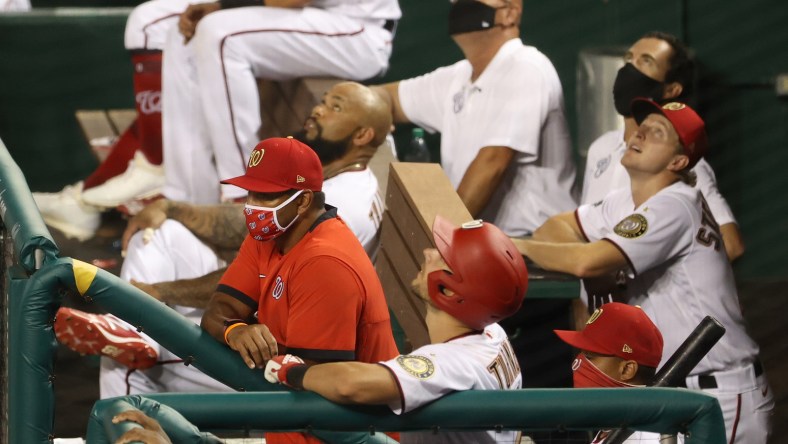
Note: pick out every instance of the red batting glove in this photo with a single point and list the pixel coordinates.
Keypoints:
(276, 370)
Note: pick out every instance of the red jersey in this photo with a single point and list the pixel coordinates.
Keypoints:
(322, 300)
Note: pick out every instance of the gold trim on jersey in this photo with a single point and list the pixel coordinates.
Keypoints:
(633, 226)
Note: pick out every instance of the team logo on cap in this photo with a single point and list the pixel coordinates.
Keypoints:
(594, 316)
(674, 106)
(626, 349)
(418, 366)
(300, 178)
(632, 226)
(256, 157)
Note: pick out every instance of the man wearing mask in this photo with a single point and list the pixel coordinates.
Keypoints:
(658, 67)
(661, 232)
(301, 283)
(177, 251)
(619, 347)
(504, 139)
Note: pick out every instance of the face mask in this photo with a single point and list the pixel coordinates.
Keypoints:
(630, 84)
(469, 16)
(263, 223)
(586, 375)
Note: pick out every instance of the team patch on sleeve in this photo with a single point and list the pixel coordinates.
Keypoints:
(418, 366)
(634, 225)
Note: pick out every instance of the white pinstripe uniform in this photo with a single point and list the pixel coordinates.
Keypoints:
(604, 173)
(175, 253)
(481, 361)
(211, 109)
(679, 273)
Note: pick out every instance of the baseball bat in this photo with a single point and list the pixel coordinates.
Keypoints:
(681, 362)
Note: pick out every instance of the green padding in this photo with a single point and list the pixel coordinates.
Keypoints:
(30, 360)
(173, 331)
(21, 217)
(544, 289)
(648, 409)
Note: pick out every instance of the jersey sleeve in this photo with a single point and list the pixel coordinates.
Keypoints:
(655, 233)
(595, 219)
(427, 374)
(707, 184)
(326, 302)
(423, 98)
(241, 280)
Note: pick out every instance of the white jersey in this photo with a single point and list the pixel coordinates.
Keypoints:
(604, 173)
(679, 272)
(211, 107)
(14, 5)
(517, 102)
(355, 194)
(482, 361)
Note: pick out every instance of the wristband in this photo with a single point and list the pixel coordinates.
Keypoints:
(295, 376)
(228, 4)
(229, 325)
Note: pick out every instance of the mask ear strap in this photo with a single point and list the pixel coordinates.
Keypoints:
(282, 205)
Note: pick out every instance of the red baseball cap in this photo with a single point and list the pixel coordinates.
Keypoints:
(686, 122)
(281, 164)
(619, 330)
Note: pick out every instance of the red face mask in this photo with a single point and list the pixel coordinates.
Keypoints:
(263, 223)
(586, 375)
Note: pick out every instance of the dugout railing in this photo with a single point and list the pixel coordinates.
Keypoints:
(37, 279)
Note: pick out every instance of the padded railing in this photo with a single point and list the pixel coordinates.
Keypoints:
(648, 409)
(33, 245)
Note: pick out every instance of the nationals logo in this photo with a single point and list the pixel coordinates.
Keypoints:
(149, 101)
(279, 288)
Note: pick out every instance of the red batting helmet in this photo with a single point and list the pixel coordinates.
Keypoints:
(488, 275)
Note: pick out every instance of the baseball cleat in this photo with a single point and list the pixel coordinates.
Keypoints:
(66, 211)
(91, 334)
(141, 180)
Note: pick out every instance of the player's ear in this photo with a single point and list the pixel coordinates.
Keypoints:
(628, 370)
(363, 136)
(679, 162)
(304, 201)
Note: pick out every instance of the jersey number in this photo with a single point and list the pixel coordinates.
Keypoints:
(709, 232)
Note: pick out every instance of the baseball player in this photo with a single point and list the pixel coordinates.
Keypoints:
(132, 168)
(212, 111)
(197, 241)
(619, 347)
(473, 279)
(658, 67)
(662, 231)
(301, 281)
(505, 145)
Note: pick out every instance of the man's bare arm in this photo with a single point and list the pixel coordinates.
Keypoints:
(579, 259)
(186, 292)
(219, 226)
(483, 176)
(560, 228)
(352, 383)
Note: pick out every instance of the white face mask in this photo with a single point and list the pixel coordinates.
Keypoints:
(263, 223)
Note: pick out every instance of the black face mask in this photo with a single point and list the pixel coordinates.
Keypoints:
(631, 83)
(327, 150)
(469, 16)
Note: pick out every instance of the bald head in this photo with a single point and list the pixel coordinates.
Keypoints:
(367, 107)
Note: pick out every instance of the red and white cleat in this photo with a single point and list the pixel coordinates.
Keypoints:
(91, 334)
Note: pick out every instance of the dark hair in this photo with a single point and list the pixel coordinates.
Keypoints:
(319, 199)
(682, 66)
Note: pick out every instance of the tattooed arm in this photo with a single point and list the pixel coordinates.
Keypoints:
(187, 292)
(221, 227)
